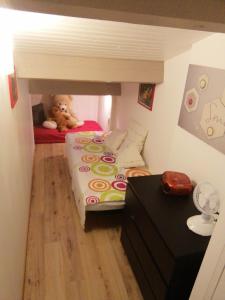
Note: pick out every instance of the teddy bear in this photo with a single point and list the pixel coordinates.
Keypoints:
(61, 115)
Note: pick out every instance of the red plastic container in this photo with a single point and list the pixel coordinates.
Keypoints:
(176, 183)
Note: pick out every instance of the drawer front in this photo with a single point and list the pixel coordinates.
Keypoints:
(155, 244)
(139, 274)
(152, 274)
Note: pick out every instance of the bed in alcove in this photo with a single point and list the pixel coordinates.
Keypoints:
(47, 136)
(94, 110)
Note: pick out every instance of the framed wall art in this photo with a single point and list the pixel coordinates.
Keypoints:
(203, 108)
(146, 94)
(13, 90)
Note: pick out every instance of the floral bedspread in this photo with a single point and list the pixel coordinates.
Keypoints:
(98, 175)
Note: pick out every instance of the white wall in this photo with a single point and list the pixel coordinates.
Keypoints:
(202, 161)
(170, 147)
(16, 159)
(161, 121)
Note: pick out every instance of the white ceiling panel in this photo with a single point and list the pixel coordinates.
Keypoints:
(50, 34)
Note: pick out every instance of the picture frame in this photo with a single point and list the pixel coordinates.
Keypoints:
(13, 89)
(146, 95)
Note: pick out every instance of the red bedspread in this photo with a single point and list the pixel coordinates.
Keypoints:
(46, 136)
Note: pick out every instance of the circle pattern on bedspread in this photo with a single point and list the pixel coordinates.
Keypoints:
(86, 133)
(97, 140)
(119, 185)
(108, 159)
(120, 177)
(90, 158)
(99, 185)
(104, 169)
(84, 169)
(112, 195)
(90, 200)
(108, 153)
(82, 140)
(77, 147)
(95, 148)
(135, 172)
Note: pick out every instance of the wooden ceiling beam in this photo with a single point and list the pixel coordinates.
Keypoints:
(59, 67)
(46, 86)
(205, 15)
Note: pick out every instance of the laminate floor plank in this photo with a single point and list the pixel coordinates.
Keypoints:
(64, 262)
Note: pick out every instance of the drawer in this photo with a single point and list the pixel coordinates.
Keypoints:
(152, 274)
(155, 244)
(139, 274)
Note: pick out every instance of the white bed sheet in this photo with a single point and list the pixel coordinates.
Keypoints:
(83, 174)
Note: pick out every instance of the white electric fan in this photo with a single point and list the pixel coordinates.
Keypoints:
(206, 200)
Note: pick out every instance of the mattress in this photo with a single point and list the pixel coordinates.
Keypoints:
(46, 136)
(98, 182)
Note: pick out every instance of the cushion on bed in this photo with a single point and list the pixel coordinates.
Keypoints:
(130, 157)
(136, 134)
(115, 139)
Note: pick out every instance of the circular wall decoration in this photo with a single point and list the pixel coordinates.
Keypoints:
(108, 159)
(191, 100)
(210, 131)
(82, 140)
(203, 82)
(84, 169)
(99, 185)
(95, 148)
(90, 200)
(104, 169)
(90, 158)
(112, 195)
(119, 185)
(135, 172)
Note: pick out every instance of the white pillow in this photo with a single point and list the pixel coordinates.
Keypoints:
(49, 124)
(136, 134)
(130, 157)
(114, 140)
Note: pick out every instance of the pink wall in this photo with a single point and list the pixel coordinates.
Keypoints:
(86, 107)
(97, 108)
(35, 99)
(104, 111)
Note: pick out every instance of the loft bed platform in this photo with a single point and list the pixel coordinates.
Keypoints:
(47, 136)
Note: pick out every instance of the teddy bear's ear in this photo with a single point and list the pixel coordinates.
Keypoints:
(70, 97)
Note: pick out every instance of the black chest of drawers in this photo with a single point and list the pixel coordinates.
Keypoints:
(164, 254)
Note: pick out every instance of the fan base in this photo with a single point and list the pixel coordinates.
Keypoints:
(201, 225)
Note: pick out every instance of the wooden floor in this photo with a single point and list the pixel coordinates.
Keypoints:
(64, 262)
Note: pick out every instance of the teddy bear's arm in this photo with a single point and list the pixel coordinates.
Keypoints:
(66, 114)
(74, 115)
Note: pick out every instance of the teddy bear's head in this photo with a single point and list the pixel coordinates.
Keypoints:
(63, 102)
